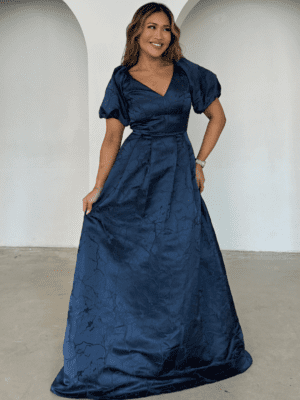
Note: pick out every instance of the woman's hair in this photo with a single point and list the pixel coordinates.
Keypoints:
(134, 29)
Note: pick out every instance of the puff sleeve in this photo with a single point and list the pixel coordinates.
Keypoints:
(114, 105)
(204, 87)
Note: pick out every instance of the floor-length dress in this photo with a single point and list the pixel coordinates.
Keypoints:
(151, 309)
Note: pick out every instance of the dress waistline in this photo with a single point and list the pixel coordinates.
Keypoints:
(157, 134)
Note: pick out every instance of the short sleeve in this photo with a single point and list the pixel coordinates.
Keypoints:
(205, 89)
(204, 85)
(114, 105)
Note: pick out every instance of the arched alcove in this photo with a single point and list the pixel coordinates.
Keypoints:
(44, 121)
(252, 177)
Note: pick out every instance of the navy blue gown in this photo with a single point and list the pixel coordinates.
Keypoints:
(151, 309)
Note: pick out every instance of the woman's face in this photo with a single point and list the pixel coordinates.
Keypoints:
(157, 30)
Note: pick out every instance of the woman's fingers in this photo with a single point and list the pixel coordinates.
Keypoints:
(91, 198)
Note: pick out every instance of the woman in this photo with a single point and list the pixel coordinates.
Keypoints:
(151, 310)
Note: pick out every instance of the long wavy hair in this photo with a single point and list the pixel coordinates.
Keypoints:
(135, 28)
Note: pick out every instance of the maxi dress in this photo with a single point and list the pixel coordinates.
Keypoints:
(151, 311)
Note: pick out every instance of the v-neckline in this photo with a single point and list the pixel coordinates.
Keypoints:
(127, 69)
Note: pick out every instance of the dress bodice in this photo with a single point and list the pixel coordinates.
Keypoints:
(145, 110)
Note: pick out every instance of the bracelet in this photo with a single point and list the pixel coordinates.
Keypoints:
(202, 163)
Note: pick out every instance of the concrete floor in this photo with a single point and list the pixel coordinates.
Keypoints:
(36, 284)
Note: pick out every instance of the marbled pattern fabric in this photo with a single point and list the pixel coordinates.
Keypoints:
(151, 310)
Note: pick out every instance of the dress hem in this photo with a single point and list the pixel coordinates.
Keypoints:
(194, 379)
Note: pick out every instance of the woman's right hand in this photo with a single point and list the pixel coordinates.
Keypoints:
(200, 177)
(91, 198)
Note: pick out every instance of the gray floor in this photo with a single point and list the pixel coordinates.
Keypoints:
(36, 284)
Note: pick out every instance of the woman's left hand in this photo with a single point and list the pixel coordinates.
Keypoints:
(200, 177)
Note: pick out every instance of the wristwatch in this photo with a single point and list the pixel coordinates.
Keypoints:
(202, 163)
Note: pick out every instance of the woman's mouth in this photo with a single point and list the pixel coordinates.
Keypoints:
(156, 45)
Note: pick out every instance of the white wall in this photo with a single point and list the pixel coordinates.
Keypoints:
(252, 175)
(44, 157)
(56, 60)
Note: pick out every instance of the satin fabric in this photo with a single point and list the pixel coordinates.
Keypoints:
(151, 309)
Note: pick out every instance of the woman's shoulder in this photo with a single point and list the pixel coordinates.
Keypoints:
(118, 75)
(119, 70)
(192, 67)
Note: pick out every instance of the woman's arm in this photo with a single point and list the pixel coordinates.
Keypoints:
(109, 149)
(217, 121)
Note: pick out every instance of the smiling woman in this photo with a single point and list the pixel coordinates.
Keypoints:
(151, 309)
(157, 34)
(152, 70)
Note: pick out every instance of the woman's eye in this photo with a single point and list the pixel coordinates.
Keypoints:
(152, 26)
